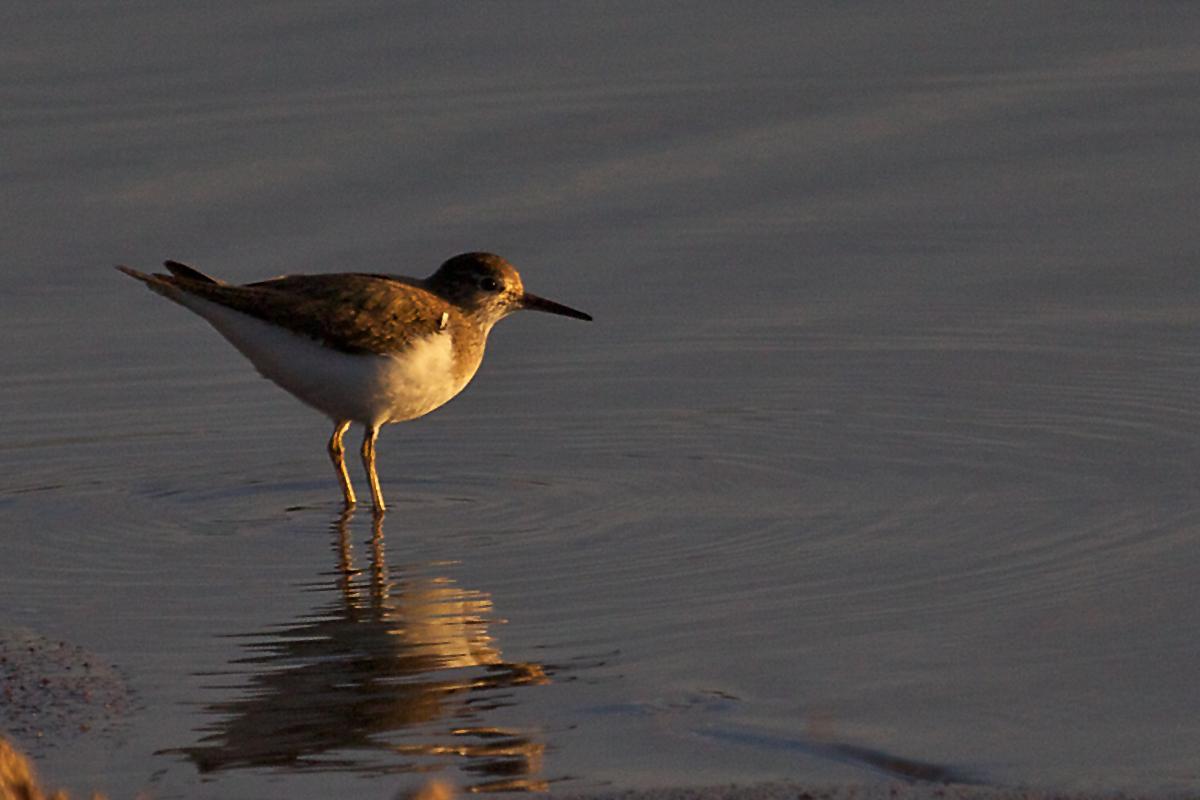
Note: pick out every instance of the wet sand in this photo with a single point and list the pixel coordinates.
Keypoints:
(870, 791)
(19, 780)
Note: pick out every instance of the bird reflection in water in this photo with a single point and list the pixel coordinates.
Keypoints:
(396, 675)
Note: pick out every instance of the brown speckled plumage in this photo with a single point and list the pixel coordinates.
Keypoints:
(351, 312)
(405, 320)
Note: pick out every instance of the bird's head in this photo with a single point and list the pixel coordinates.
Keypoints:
(489, 288)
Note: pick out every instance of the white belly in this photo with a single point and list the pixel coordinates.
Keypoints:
(366, 388)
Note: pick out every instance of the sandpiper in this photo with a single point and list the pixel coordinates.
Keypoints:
(361, 347)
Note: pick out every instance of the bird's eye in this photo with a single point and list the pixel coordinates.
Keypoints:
(489, 284)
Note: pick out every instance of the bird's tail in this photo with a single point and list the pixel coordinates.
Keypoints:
(172, 285)
(188, 273)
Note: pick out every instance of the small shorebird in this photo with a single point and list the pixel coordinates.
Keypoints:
(361, 347)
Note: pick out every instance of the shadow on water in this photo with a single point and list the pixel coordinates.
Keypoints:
(397, 674)
(892, 765)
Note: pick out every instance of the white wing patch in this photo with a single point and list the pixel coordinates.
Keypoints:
(421, 377)
(367, 388)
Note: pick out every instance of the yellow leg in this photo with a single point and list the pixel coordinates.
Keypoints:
(368, 457)
(337, 456)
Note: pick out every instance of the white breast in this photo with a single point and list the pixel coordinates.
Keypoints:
(367, 388)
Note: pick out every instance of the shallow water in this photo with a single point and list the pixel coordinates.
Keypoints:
(878, 462)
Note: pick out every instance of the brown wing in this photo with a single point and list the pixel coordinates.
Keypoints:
(349, 311)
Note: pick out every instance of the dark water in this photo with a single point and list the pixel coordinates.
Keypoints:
(879, 461)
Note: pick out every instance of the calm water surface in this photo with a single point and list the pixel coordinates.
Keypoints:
(878, 462)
